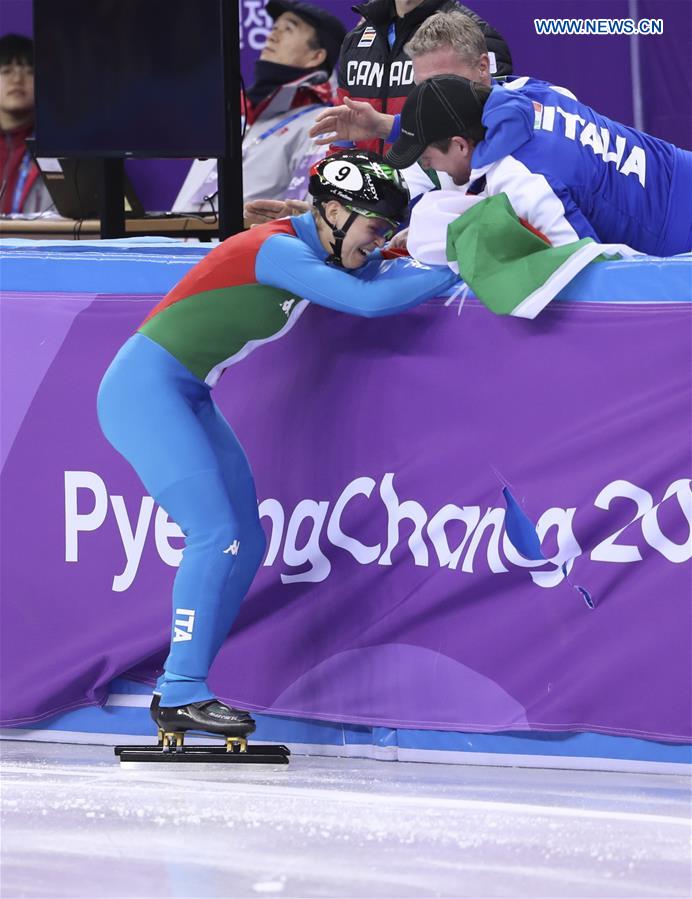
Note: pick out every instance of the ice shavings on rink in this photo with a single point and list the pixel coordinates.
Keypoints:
(75, 824)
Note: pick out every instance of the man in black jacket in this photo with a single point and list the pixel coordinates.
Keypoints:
(374, 66)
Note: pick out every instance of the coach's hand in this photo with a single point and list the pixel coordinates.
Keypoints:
(355, 120)
(259, 212)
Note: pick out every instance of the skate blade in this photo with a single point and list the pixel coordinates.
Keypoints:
(253, 754)
(174, 741)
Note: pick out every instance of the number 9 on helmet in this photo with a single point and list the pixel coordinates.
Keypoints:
(363, 182)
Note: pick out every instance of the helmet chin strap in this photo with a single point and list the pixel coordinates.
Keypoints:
(339, 235)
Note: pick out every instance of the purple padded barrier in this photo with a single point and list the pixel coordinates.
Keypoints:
(389, 594)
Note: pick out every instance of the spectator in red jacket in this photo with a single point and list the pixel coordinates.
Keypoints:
(22, 191)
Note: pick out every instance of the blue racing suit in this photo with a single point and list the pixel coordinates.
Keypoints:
(155, 407)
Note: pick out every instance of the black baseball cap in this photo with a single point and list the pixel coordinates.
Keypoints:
(330, 30)
(443, 106)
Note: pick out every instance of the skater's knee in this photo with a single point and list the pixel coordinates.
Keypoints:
(225, 537)
(252, 545)
(221, 531)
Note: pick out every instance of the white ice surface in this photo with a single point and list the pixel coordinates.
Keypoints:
(77, 825)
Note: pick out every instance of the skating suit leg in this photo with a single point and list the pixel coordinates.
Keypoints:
(162, 419)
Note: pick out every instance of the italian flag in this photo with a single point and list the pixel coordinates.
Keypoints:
(510, 267)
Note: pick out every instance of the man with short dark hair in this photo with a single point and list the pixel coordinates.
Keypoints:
(22, 191)
(567, 170)
(291, 87)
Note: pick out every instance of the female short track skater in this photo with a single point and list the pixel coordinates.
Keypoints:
(156, 409)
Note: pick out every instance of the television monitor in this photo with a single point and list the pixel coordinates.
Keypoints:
(123, 78)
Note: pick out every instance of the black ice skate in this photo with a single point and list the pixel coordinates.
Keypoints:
(210, 716)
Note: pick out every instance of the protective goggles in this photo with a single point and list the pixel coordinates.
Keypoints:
(385, 232)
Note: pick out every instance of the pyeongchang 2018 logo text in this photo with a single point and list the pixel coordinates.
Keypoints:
(462, 539)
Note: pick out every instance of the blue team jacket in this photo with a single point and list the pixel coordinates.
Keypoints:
(574, 173)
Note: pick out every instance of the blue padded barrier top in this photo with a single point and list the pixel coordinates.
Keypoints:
(153, 266)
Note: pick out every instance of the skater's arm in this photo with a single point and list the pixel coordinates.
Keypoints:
(288, 263)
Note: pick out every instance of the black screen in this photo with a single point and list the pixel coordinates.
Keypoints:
(129, 78)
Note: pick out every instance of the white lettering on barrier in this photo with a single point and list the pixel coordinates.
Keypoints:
(132, 541)
(494, 519)
(302, 548)
(674, 552)
(363, 554)
(78, 521)
(469, 515)
(609, 550)
(272, 509)
(397, 513)
(567, 546)
(166, 530)
(310, 554)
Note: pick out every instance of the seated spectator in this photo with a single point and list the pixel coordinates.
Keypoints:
(291, 87)
(22, 191)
